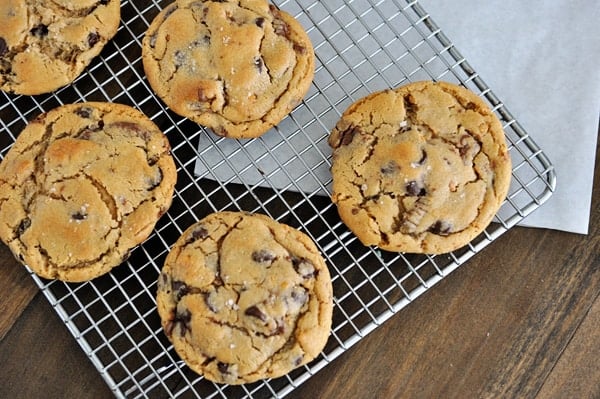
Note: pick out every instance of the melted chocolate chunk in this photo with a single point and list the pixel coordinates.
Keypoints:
(223, 367)
(155, 181)
(299, 49)
(280, 27)
(199, 232)
(92, 39)
(259, 63)
(181, 319)
(441, 227)
(414, 189)
(131, 126)
(303, 267)
(40, 30)
(254, 311)
(84, 112)
(260, 21)
(348, 135)
(423, 157)
(79, 216)
(180, 289)
(409, 106)
(389, 168)
(263, 256)
(3, 47)
(24, 225)
(299, 295)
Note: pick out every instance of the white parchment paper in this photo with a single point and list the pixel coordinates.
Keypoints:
(542, 59)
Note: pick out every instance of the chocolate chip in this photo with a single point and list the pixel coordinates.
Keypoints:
(223, 367)
(303, 267)
(103, 2)
(24, 225)
(259, 63)
(199, 232)
(79, 216)
(180, 289)
(470, 105)
(441, 227)
(280, 27)
(299, 295)
(3, 47)
(154, 181)
(389, 168)
(409, 106)
(92, 39)
(347, 135)
(260, 21)
(254, 311)
(84, 112)
(131, 126)
(163, 282)
(181, 319)
(423, 157)
(263, 256)
(414, 189)
(299, 49)
(40, 30)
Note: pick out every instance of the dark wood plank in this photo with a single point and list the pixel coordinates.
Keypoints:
(40, 359)
(577, 369)
(16, 290)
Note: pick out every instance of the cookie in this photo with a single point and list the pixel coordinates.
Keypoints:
(236, 67)
(243, 297)
(45, 45)
(422, 168)
(82, 185)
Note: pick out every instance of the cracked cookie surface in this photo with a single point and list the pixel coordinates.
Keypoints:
(243, 297)
(422, 168)
(237, 67)
(45, 45)
(82, 185)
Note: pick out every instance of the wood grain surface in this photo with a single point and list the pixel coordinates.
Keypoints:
(520, 319)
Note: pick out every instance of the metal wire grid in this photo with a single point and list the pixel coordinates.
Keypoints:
(361, 46)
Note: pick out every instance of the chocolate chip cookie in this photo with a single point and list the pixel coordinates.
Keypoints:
(236, 67)
(45, 45)
(422, 168)
(243, 297)
(82, 185)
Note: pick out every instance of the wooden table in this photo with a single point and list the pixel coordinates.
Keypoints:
(521, 319)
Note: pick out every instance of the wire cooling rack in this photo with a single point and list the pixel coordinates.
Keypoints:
(361, 46)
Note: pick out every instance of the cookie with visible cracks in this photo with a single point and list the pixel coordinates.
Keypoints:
(237, 67)
(45, 45)
(82, 186)
(243, 297)
(422, 168)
